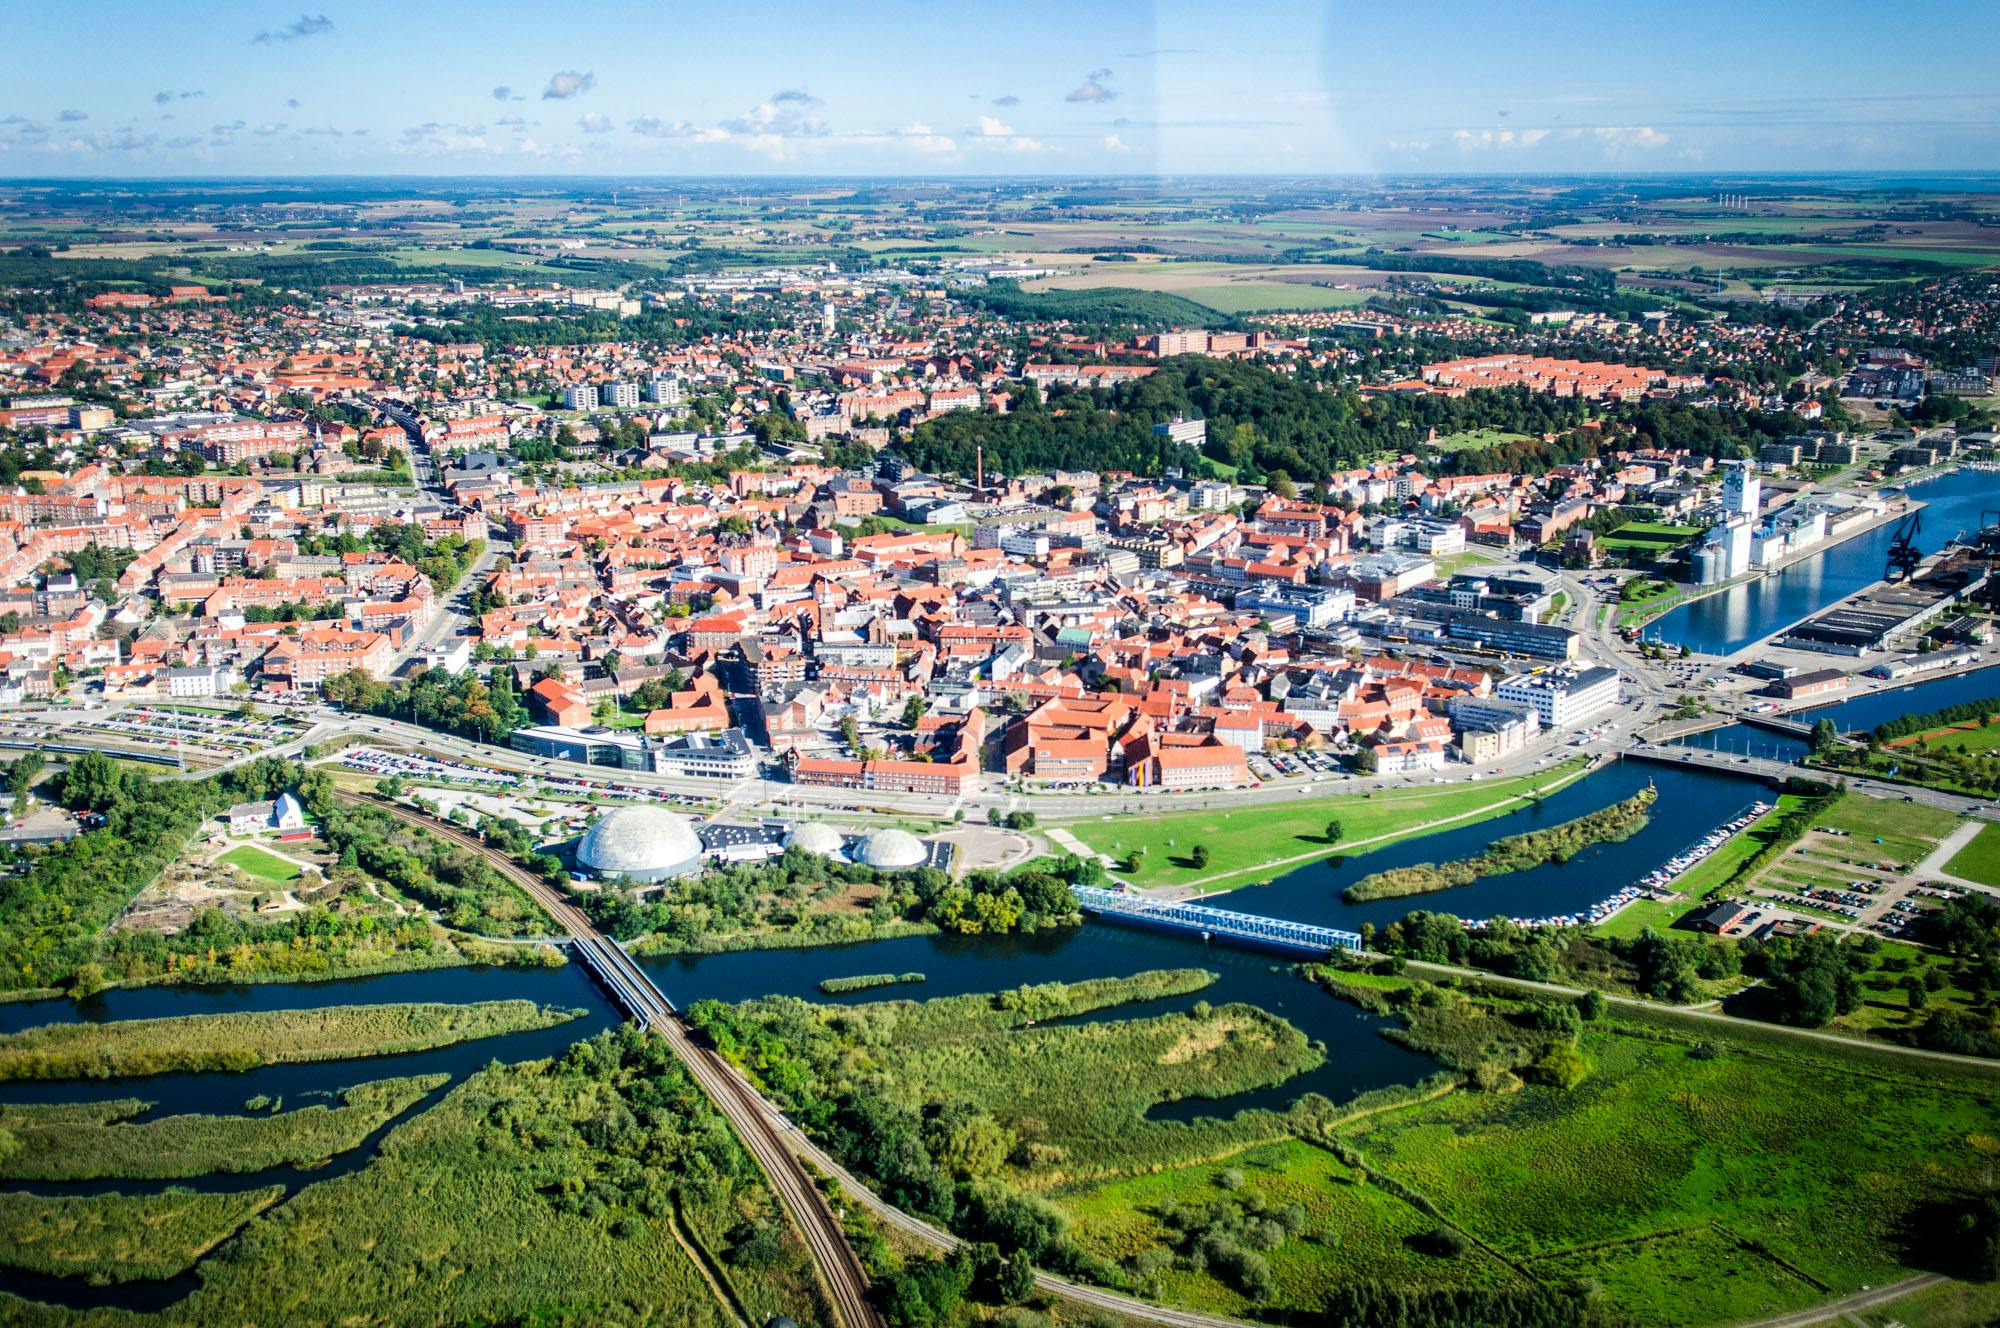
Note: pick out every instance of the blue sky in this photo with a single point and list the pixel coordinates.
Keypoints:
(894, 87)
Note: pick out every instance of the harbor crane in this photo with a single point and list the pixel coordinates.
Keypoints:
(1904, 555)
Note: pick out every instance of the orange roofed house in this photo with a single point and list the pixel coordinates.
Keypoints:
(559, 703)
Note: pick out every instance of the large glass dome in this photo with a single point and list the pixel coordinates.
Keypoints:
(893, 850)
(644, 843)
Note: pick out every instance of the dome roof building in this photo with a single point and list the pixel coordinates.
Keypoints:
(821, 838)
(893, 850)
(646, 844)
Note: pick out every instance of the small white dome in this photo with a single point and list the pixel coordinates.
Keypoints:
(819, 837)
(893, 850)
(645, 843)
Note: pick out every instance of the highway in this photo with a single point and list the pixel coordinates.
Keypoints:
(760, 1127)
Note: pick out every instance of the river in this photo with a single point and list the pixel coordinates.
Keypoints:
(1855, 715)
(1725, 622)
(1358, 1057)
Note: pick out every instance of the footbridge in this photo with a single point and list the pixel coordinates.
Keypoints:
(1219, 924)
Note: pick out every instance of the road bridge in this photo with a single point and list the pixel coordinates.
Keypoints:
(1219, 924)
(1779, 724)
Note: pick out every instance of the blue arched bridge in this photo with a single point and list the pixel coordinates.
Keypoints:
(1219, 924)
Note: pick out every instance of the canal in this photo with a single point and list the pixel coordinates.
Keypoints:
(1723, 623)
(1855, 715)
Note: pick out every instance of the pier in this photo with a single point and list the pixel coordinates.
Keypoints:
(1219, 924)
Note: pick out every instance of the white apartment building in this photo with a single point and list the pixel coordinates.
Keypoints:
(1563, 697)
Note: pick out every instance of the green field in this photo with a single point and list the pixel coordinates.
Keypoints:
(1058, 1101)
(1972, 738)
(1648, 537)
(1254, 844)
(1980, 859)
(1352, 1231)
(1463, 442)
(263, 1037)
(1671, 1162)
(122, 1237)
(564, 1192)
(264, 866)
(91, 1142)
(1886, 830)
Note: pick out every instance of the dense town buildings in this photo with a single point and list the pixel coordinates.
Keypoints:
(713, 556)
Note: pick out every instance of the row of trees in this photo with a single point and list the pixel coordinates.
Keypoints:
(464, 705)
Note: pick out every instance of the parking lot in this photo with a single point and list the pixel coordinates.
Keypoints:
(195, 733)
(1832, 876)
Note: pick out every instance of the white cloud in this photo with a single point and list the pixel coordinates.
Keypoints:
(1116, 144)
(791, 113)
(1408, 145)
(1471, 139)
(1619, 139)
(919, 136)
(568, 83)
(1093, 88)
(594, 122)
(990, 127)
(652, 126)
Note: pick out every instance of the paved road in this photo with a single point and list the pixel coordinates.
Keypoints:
(758, 1125)
(1862, 1300)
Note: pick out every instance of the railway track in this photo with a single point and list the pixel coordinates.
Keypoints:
(778, 1147)
(840, 1273)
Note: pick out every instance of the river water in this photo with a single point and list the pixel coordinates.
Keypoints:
(1855, 715)
(1724, 623)
(1358, 1057)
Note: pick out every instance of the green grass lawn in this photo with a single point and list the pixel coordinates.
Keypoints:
(1629, 921)
(1246, 845)
(1983, 738)
(1906, 830)
(1464, 558)
(1980, 859)
(1648, 537)
(1471, 438)
(264, 866)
